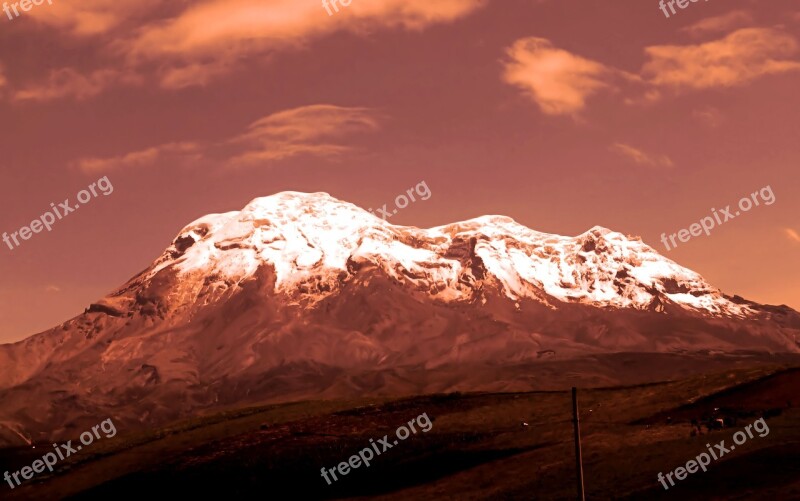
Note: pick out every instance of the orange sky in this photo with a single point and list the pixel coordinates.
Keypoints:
(562, 114)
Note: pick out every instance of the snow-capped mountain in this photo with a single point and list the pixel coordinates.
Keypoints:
(311, 241)
(297, 292)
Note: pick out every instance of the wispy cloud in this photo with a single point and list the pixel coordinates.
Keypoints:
(737, 59)
(792, 234)
(310, 130)
(639, 157)
(200, 42)
(720, 24)
(68, 82)
(317, 130)
(708, 116)
(558, 81)
(141, 158)
(193, 74)
(182, 44)
(218, 26)
(95, 17)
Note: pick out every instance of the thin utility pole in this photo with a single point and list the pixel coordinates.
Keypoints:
(578, 457)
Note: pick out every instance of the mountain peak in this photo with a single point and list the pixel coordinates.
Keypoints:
(285, 199)
(597, 231)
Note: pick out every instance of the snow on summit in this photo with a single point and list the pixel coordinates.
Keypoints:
(312, 237)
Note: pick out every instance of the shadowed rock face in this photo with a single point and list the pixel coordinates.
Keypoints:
(297, 293)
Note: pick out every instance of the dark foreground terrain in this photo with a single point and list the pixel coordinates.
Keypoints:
(513, 445)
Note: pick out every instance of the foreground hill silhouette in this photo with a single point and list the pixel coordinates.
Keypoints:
(478, 447)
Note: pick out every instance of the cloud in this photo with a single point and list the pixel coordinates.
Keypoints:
(94, 17)
(558, 81)
(561, 82)
(639, 157)
(709, 116)
(139, 158)
(306, 130)
(792, 234)
(734, 60)
(179, 77)
(217, 26)
(68, 82)
(200, 42)
(52, 288)
(184, 44)
(720, 24)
